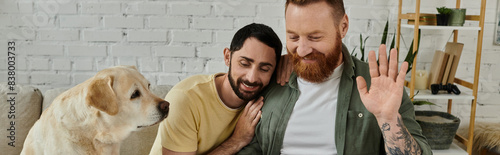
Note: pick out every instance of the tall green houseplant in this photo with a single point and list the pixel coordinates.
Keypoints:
(409, 57)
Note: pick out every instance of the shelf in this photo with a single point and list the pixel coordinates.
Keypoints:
(453, 150)
(429, 27)
(442, 95)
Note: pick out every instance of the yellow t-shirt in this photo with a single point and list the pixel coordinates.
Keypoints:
(197, 119)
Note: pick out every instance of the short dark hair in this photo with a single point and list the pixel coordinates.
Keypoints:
(338, 10)
(261, 32)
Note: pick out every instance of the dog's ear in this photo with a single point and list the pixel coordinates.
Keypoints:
(100, 95)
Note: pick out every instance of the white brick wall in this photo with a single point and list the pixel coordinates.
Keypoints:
(147, 36)
(61, 64)
(172, 66)
(84, 64)
(213, 23)
(90, 51)
(101, 8)
(58, 35)
(192, 36)
(169, 22)
(50, 79)
(79, 21)
(102, 35)
(175, 51)
(131, 51)
(63, 43)
(16, 7)
(41, 50)
(123, 22)
(146, 9)
(68, 7)
(192, 9)
(39, 64)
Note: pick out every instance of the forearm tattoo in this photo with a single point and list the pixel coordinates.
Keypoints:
(401, 142)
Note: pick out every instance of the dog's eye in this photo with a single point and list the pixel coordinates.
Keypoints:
(135, 94)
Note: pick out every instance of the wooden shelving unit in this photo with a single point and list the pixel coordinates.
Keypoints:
(471, 85)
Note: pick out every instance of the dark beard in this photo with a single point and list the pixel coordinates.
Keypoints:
(244, 95)
(324, 66)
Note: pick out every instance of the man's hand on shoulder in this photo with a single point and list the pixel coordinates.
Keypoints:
(244, 130)
(284, 70)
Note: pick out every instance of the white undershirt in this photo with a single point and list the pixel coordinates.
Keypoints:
(311, 128)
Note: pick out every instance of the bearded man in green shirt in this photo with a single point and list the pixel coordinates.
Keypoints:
(328, 107)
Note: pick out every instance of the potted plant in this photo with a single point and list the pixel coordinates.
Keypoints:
(457, 17)
(442, 17)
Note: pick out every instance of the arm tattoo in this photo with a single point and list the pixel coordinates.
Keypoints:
(400, 143)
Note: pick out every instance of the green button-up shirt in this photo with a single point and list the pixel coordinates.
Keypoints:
(356, 129)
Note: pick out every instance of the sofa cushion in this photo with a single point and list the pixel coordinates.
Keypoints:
(18, 117)
(50, 95)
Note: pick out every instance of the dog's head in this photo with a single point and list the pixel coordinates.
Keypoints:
(123, 94)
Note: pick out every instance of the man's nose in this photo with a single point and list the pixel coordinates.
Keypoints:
(304, 48)
(252, 74)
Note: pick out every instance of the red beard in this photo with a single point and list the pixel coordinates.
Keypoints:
(323, 67)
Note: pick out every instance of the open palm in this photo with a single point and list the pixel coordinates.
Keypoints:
(386, 90)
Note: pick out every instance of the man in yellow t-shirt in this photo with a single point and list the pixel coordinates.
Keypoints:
(217, 114)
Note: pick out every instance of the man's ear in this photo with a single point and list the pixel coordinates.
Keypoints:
(344, 25)
(100, 95)
(227, 56)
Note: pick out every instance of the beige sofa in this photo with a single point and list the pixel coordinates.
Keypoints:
(28, 106)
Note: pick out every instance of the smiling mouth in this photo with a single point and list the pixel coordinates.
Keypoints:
(248, 86)
(308, 60)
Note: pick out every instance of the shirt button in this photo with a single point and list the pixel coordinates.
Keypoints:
(360, 115)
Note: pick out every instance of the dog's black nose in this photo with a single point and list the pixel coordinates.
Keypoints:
(163, 106)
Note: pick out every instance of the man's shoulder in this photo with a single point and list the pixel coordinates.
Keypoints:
(275, 94)
(194, 81)
(274, 87)
(189, 88)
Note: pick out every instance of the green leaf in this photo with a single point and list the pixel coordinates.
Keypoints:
(384, 36)
(392, 46)
(392, 42)
(363, 50)
(410, 56)
(423, 103)
(443, 10)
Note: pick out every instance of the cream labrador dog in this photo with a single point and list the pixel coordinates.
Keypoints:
(96, 115)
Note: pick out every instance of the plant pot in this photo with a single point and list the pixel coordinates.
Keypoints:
(438, 127)
(457, 17)
(442, 19)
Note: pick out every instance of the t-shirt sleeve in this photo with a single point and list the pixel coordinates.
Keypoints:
(179, 131)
